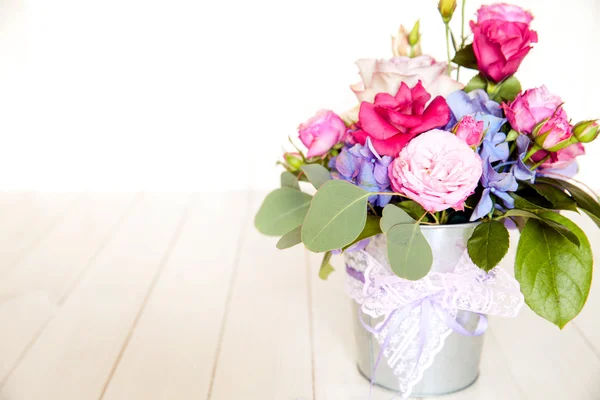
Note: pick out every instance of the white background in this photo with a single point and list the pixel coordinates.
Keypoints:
(201, 95)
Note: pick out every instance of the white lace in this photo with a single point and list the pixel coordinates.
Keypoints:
(416, 312)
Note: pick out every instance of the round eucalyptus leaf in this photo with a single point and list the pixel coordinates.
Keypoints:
(408, 251)
(283, 210)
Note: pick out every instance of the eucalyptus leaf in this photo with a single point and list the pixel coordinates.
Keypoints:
(488, 244)
(290, 239)
(507, 90)
(394, 215)
(289, 180)
(465, 57)
(477, 82)
(283, 210)
(414, 209)
(554, 274)
(583, 199)
(371, 229)
(316, 174)
(563, 230)
(326, 268)
(336, 217)
(557, 197)
(409, 253)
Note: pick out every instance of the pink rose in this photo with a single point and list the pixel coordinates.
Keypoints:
(554, 133)
(532, 107)
(391, 122)
(501, 39)
(320, 133)
(381, 76)
(562, 160)
(437, 170)
(470, 130)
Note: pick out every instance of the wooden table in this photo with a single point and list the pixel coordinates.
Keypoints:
(176, 296)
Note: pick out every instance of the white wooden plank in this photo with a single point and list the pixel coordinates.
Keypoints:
(172, 351)
(266, 351)
(74, 355)
(31, 293)
(26, 222)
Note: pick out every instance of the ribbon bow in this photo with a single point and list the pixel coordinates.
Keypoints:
(420, 315)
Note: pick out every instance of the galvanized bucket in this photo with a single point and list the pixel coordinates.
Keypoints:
(456, 367)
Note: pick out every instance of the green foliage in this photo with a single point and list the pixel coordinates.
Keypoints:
(506, 90)
(555, 275)
(488, 244)
(558, 199)
(583, 199)
(336, 217)
(408, 251)
(524, 204)
(465, 57)
(289, 180)
(563, 230)
(290, 239)
(282, 210)
(326, 268)
(371, 229)
(393, 215)
(316, 174)
(477, 82)
(413, 209)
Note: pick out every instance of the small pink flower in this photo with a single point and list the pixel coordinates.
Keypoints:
(437, 170)
(320, 133)
(470, 130)
(532, 107)
(561, 162)
(501, 39)
(554, 133)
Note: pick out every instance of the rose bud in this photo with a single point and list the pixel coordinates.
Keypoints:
(414, 36)
(447, 8)
(586, 131)
(469, 130)
(321, 132)
(293, 161)
(553, 134)
(400, 45)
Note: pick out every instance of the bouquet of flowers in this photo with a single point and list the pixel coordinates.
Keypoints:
(421, 148)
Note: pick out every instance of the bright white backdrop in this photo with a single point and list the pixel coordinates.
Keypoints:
(201, 95)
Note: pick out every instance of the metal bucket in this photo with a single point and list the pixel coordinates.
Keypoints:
(456, 367)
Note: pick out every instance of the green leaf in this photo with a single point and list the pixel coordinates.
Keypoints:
(336, 217)
(371, 229)
(408, 251)
(555, 275)
(583, 199)
(414, 209)
(478, 82)
(488, 244)
(563, 230)
(507, 90)
(527, 205)
(289, 180)
(465, 57)
(283, 210)
(393, 215)
(316, 174)
(290, 239)
(593, 217)
(326, 268)
(557, 197)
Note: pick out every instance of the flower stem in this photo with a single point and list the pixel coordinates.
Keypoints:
(437, 220)
(448, 48)
(462, 35)
(534, 149)
(543, 160)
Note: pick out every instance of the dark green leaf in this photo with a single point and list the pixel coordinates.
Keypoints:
(593, 217)
(478, 82)
(283, 210)
(316, 174)
(336, 217)
(583, 199)
(326, 268)
(290, 239)
(527, 205)
(563, 230)
(393, 215)
(371, 229)
(465, 57)
(414, 209)
(488, 244)
(555, 275)
(507, 90)
(557, 197)
(289, 180)
(408, 251)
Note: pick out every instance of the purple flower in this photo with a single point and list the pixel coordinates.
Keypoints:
(498, 184)
(362, 166)
(520, 169)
